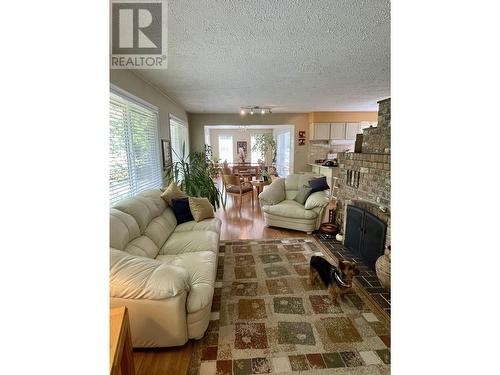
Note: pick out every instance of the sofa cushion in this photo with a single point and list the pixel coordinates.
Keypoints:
(201, 268)
(291, 209)
(213, 224)
(303, 194)
(161, 227)
(142, 209)
(122, 229)
(201, 208)
(156, 204)
(173, 192)
(142, 246)
(181, 210)
(141, 278)
(188, 242)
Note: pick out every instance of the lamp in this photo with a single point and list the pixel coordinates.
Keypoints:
(253, 109)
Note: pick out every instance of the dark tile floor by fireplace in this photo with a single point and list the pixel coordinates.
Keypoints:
(367, 278)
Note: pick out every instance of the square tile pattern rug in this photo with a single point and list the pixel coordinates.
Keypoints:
(267, 319)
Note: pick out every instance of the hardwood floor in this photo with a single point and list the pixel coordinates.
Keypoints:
(245, 224)
(248, 224)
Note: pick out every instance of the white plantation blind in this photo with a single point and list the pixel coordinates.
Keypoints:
(178, 137)
(134, 155)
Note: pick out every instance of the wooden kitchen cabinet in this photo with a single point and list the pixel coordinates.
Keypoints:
(337, 130)
(351, 129)
(320, 131)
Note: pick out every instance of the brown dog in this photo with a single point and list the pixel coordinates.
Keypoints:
(338, 281)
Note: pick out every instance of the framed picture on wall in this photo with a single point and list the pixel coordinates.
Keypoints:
(166, 152)
(241, 146)
(302, 133)
(302, 141)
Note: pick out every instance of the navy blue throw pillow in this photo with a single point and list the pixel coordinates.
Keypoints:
(318, 184)
(181, 210)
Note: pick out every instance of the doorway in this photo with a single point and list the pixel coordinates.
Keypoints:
(283, 135)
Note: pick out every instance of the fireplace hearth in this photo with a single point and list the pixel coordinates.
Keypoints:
(364, 235)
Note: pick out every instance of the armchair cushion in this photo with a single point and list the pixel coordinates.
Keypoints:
(275, 193)
(303, 194)
(317, 199)
(290, 209)
(319, 184)
(137, 277)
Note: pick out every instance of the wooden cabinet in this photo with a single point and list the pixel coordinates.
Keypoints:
(351, 129)
(337, 130)
(320, 131)
(121, 361)
(323, 131)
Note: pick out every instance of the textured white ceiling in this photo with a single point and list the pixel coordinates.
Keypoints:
(294, 55)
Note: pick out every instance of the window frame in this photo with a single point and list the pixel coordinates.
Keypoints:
(186, 126)
(138, 102)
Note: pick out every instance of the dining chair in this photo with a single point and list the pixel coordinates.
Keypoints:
(236, 187)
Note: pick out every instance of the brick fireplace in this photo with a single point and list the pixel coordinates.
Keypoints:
(365, 177)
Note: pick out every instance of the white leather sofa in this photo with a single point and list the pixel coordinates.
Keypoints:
(280, 210)
(163, 272)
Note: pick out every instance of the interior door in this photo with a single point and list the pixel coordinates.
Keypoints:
(283, 146)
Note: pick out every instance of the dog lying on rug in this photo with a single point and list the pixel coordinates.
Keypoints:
(338, 281)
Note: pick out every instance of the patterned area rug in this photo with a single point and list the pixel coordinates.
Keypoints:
(266, 318)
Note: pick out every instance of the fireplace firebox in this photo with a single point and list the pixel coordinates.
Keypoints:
(364, 235)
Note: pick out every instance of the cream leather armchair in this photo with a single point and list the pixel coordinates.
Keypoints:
(280, 210)
(163, 272)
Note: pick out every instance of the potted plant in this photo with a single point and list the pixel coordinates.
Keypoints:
(193, 174)
(265, 143)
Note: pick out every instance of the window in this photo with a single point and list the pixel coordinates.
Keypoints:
(283, 153)
(134, 156)
(255, 155)
(179, 138)
(226, 148)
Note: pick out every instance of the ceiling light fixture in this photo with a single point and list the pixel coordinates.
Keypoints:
(254, 109)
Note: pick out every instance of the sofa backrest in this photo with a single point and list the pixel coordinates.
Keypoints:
(294, 182)
(142, 224)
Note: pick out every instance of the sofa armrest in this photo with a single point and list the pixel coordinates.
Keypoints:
(317, 199)
(136, 277)
(274, 193)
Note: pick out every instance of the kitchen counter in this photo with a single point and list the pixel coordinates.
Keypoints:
(327, 171)
(320, 165)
